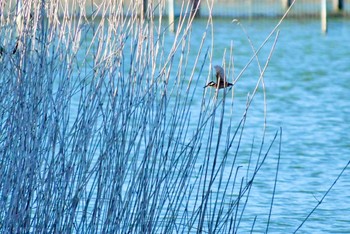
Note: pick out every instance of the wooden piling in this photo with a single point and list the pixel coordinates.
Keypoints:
(338, 5)
(324, 16)
(171, 15)
(286, 3)
(19, 19)
(144, 8)
(141, 8)
(195, 8)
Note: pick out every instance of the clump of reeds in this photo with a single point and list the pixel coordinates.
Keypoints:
(101, 132)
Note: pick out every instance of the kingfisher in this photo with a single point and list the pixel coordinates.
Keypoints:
(220, 79)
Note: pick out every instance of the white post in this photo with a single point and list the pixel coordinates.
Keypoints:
(338, 5)
(19, 18)
(171, 15)
(324, 16)
(286, 3)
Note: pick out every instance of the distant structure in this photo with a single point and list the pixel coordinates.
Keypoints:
(222, 8)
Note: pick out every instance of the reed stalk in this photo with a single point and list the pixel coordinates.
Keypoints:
(101, 129)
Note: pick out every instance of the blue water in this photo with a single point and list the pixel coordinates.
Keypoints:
(307, 84)
(307, 87)
(309, 97)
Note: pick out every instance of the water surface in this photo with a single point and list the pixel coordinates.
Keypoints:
(307, 87)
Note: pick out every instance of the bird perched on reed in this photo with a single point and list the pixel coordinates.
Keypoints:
(220, 79)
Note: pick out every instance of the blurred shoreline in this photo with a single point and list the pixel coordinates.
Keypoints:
(221, 8)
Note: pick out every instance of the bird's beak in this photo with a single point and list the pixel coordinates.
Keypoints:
(206, 85)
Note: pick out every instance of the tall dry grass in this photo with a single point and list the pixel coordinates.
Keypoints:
(97, 127)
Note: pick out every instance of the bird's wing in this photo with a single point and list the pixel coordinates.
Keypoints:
(220, 73)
